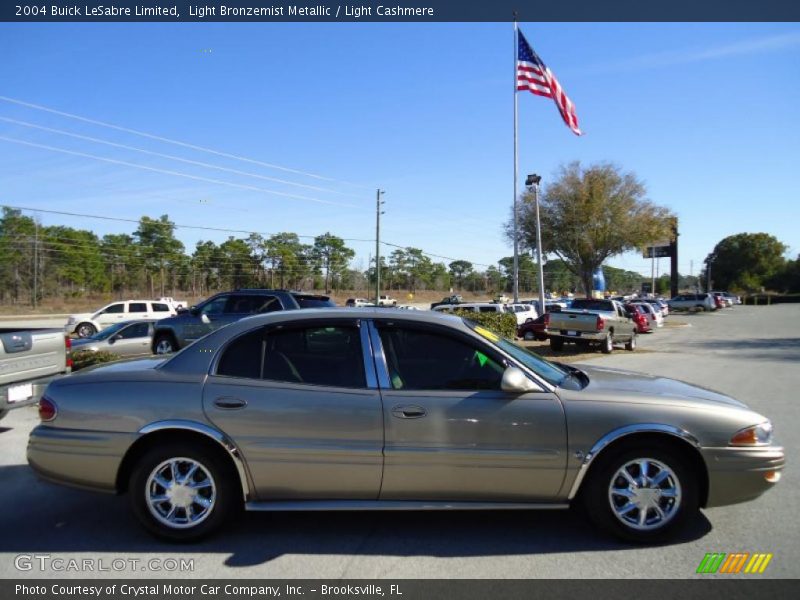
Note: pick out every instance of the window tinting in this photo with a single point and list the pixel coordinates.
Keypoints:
(315, 355)
(115, 309)
(215, 306)
(487, 309)
(252, 304)
(424, 360)
(158, 307)
(137, 307)
(314, 301)
(243, 357)
(137, 330)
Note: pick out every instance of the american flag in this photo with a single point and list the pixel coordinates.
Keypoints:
(534, 76)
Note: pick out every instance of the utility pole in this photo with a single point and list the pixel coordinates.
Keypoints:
(35, 262)
(378, 214)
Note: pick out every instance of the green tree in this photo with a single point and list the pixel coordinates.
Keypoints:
(745, 261)
(289, 258)
(17, 234)
(158, 248)
(332, 255)
(590, 214)
(460, 269)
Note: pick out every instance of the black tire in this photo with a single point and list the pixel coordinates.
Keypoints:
(529, 336)
(164, 343)
(556, 344)
(84, 330)
(3, 414)
(223, 495)
(631, 344)
(607, 345)
(597, 498)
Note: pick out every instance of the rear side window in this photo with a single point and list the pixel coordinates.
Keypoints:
(137, 307)
(487, 309)
(158, 307)
(329, 356)
(310, 301)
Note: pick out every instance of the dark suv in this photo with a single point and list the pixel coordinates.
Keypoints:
(191, 324)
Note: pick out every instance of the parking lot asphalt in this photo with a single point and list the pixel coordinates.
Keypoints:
(751, 353)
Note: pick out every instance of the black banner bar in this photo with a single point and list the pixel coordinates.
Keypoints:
(398, 10)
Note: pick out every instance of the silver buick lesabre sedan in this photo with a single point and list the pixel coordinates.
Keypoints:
(360, 409)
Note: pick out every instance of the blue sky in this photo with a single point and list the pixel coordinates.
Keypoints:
(705, 114)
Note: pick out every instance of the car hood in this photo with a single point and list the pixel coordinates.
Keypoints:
(613, 383)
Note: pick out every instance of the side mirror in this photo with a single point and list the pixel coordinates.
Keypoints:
(114, 338)
(204, 318)
(193, 310)
(516, 382)
(181, 310)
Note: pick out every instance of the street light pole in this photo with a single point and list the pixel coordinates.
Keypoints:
(533, 181)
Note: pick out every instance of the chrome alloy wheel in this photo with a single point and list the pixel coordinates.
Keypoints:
(180, 493)
(164, 346)
(645, 494)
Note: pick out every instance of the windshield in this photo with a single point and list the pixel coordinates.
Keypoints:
(588, 304)
(550, 372)
(108, 331)
(314, 301)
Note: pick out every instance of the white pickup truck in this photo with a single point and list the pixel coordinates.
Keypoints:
(590, 321)
(29, 360)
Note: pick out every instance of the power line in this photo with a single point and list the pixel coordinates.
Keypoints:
(174, 173)
(172, 157)
(175, 142)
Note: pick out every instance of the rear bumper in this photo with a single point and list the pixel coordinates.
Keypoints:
(37, 389)
(741, 474)
(78, 458)
(592, 336)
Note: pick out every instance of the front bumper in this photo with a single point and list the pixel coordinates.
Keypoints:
(77, 457)
(737, 474)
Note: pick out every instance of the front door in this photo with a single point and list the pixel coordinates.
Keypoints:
(302, 406)
(452, 434)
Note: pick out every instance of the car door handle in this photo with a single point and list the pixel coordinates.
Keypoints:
(409, 412)
(229, 403)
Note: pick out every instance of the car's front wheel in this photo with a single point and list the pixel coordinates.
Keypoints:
(642, 495)
(180, 493)
(164, 344)
(85, 330)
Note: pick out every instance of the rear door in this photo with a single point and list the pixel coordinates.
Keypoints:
(302, 405)
(138, 310)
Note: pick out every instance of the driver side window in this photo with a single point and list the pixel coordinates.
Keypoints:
(215, 307)
(419, 359)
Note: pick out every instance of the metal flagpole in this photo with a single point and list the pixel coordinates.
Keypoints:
(539, 249)
(516, 168)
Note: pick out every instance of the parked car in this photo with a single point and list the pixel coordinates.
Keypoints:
(692, 302)
(189, 325)
(534, 330)
(589, 321)
(640, 316)
(522, 312)
(129, 338)
(719, 300)
(653, 313)
(731, 298)
(358, 302)
(658, 303)
(454, 299)
(483, 307)
(29, 360)
(87, 324)
(327, 410)
(386, 301)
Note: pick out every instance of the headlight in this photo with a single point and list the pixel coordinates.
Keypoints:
(757, 435)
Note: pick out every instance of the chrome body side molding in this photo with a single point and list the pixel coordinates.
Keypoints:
(344, 505)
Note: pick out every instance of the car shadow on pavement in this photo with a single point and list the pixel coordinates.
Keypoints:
(41, 517)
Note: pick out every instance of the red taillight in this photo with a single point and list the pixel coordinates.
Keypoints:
(68, 348)
(47, 409)
(601, 324)
(546, 319)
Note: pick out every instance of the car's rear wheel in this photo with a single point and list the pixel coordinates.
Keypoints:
(607, 345)
(644, 494)
(85, 330)
(556, 344)
(631, 345)
(164, 344)
(181, 493)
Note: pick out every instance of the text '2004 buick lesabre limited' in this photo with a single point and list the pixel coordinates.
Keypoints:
(361, 409)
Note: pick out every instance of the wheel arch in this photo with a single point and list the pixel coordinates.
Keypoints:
(191, 432)
(674, 437)
(164, 331)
